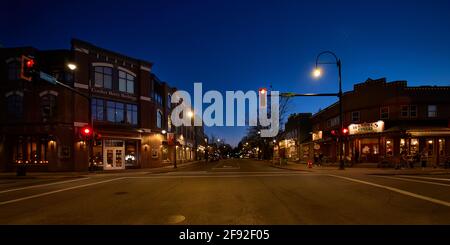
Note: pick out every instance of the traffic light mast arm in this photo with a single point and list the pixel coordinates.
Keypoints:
(307, 94)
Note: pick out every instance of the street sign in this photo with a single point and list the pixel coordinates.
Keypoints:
(47, 77)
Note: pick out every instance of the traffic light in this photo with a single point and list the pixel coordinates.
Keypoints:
(28, 68)
(262, 97)
(334, 132)
(344, 131)
(86, 133)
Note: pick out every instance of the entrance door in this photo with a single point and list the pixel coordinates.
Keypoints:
(114, 158)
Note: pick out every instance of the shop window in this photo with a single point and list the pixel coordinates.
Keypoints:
(131, 153)
(384, 112)
(31, 150)
(389, 147)
(430, 146)
(432, 111)
(115, 112)
(98, 153)
(441, 147)
(414, 149)
(355, 116)
(103, 77)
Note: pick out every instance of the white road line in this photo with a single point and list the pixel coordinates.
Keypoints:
(412, 180)
(217, 176)
(422, 177)
(406, 193)
(57, 191)
(42, 185)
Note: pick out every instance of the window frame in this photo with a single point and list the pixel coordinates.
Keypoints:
(127, 78)
(103, 74)
(353, 116)
(434, 112)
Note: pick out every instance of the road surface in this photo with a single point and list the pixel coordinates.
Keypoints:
(238, 191)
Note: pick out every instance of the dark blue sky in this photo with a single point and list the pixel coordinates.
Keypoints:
(232, 45)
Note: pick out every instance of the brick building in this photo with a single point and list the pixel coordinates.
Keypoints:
(385, 120)
(128, 105)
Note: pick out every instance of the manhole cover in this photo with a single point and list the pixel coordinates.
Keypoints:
(175, 219)
(121, 193)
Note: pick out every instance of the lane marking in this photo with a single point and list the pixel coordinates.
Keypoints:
(57, 191)
(218, 176)
(403, 192)
(42, 185)
(412, 180)
(422, 177)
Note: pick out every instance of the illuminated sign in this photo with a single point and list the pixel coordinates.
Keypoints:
(364, 128)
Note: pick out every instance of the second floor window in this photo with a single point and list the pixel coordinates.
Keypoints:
(126, 82)
(48, 107)
(115, 112)
(14, 106)
(103, 77)
(432, 111)
(159, 117)
(355, 116)
(384, 112)
(13, 70)
(408, 111)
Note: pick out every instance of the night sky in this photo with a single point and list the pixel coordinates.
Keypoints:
(244, 45)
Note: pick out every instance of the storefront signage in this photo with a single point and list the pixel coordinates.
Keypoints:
(364, 128)
(317, 135)
(113, 93)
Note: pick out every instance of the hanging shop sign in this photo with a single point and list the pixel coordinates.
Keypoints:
(364, 128)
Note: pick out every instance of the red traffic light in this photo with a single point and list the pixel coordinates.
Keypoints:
(86, 131)
(262, 90)
(333, 132)
(30, 63)
(345, 131)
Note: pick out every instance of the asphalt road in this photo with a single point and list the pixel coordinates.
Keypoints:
(228, 192)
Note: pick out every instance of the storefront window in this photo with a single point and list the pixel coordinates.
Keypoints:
(130, 153)
(31, 150)
(441, 147)
(430, 147)
(414, 146)
(390, 147)
(98, 153)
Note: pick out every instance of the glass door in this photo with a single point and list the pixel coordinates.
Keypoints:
(114, 158)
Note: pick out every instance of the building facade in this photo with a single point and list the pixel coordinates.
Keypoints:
(125, 104)
(387, 121)
(294, 143)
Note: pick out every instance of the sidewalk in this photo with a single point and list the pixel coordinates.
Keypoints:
(370, 168)
(63, 175)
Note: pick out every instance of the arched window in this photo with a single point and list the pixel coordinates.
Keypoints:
(48, 107)
(13, 70)
(126, 82)
(14, 106)
(103, 77)
(159, 117)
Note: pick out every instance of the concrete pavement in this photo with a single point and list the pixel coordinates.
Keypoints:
(232, 192)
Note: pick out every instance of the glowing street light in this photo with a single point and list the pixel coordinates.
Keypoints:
(317, 72)
(190, 114)
(164, 131)
(72, 66)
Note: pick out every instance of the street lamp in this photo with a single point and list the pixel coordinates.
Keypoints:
(72, 66)
(317, 73)
(163, 131)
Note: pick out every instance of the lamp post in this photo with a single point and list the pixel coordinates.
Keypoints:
(317, 73)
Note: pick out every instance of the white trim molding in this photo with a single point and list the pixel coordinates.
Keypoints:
(80, 85)
(82, 50)
(145, 68)
(52, 92)
(12, 59)
(102, 64)
(146, 98)
(127, 71)
(16, 92)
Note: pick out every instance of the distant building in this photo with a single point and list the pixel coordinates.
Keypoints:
(294, 141)
(129, 105)
(385, 120)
